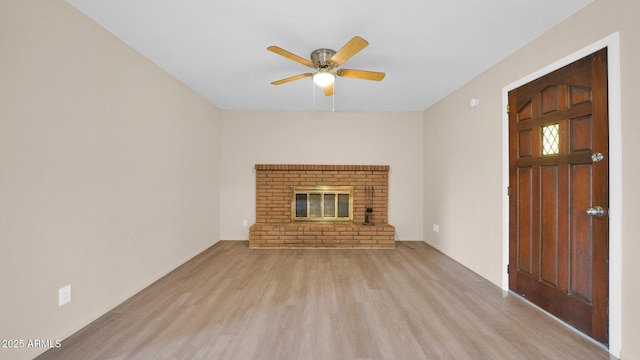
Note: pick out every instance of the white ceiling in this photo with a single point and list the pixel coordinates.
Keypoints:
(428, 48)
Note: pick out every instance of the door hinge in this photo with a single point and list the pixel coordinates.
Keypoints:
(507, 108)
(507, 269)
(508, 190)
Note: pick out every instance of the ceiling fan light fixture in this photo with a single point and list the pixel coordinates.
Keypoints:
(324, 78)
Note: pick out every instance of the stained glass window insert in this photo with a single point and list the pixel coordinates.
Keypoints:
(550, 140)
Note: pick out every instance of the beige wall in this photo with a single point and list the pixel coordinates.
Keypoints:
(297, 137)
(108, 171)
(463, 157)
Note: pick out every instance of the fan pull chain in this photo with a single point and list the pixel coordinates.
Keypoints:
(333, 98)
(313, 94)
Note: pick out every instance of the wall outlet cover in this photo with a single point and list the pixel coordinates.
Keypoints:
(64, 295)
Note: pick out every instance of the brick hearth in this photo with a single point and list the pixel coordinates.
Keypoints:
(275, 229)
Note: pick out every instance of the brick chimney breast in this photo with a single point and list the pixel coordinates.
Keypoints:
(274, 227)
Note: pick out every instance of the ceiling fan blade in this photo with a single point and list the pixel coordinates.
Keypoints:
(328, 90)
(291, 56)
(291, 78)
(348, 50)
(361, 74)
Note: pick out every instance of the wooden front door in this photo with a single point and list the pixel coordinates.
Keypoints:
(559, 194)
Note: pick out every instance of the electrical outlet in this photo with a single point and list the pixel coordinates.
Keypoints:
(64, 295)
(436, 228)
(245, 223)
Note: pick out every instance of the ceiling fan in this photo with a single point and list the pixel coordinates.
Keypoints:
(324, 61)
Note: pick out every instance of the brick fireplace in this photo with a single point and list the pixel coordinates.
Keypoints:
(278, 227)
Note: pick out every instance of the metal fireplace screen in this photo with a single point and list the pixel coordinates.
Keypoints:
(322, 203)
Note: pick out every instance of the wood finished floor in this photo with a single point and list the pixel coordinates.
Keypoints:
(231, 302)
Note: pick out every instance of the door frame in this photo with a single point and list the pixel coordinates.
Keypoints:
(612, 43)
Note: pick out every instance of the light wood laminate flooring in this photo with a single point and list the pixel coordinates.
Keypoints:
(231, 302)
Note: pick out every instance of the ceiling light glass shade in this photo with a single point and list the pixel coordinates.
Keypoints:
(324, 78)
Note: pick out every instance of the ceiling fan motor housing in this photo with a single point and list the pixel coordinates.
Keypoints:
(320, 58)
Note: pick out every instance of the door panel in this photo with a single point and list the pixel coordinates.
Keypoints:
(558, 253)
(524, 245)
(580, 255)
(549, 236)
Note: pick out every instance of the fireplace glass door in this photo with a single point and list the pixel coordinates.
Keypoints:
(322, 203)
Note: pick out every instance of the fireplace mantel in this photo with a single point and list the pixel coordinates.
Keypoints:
(275, 227)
